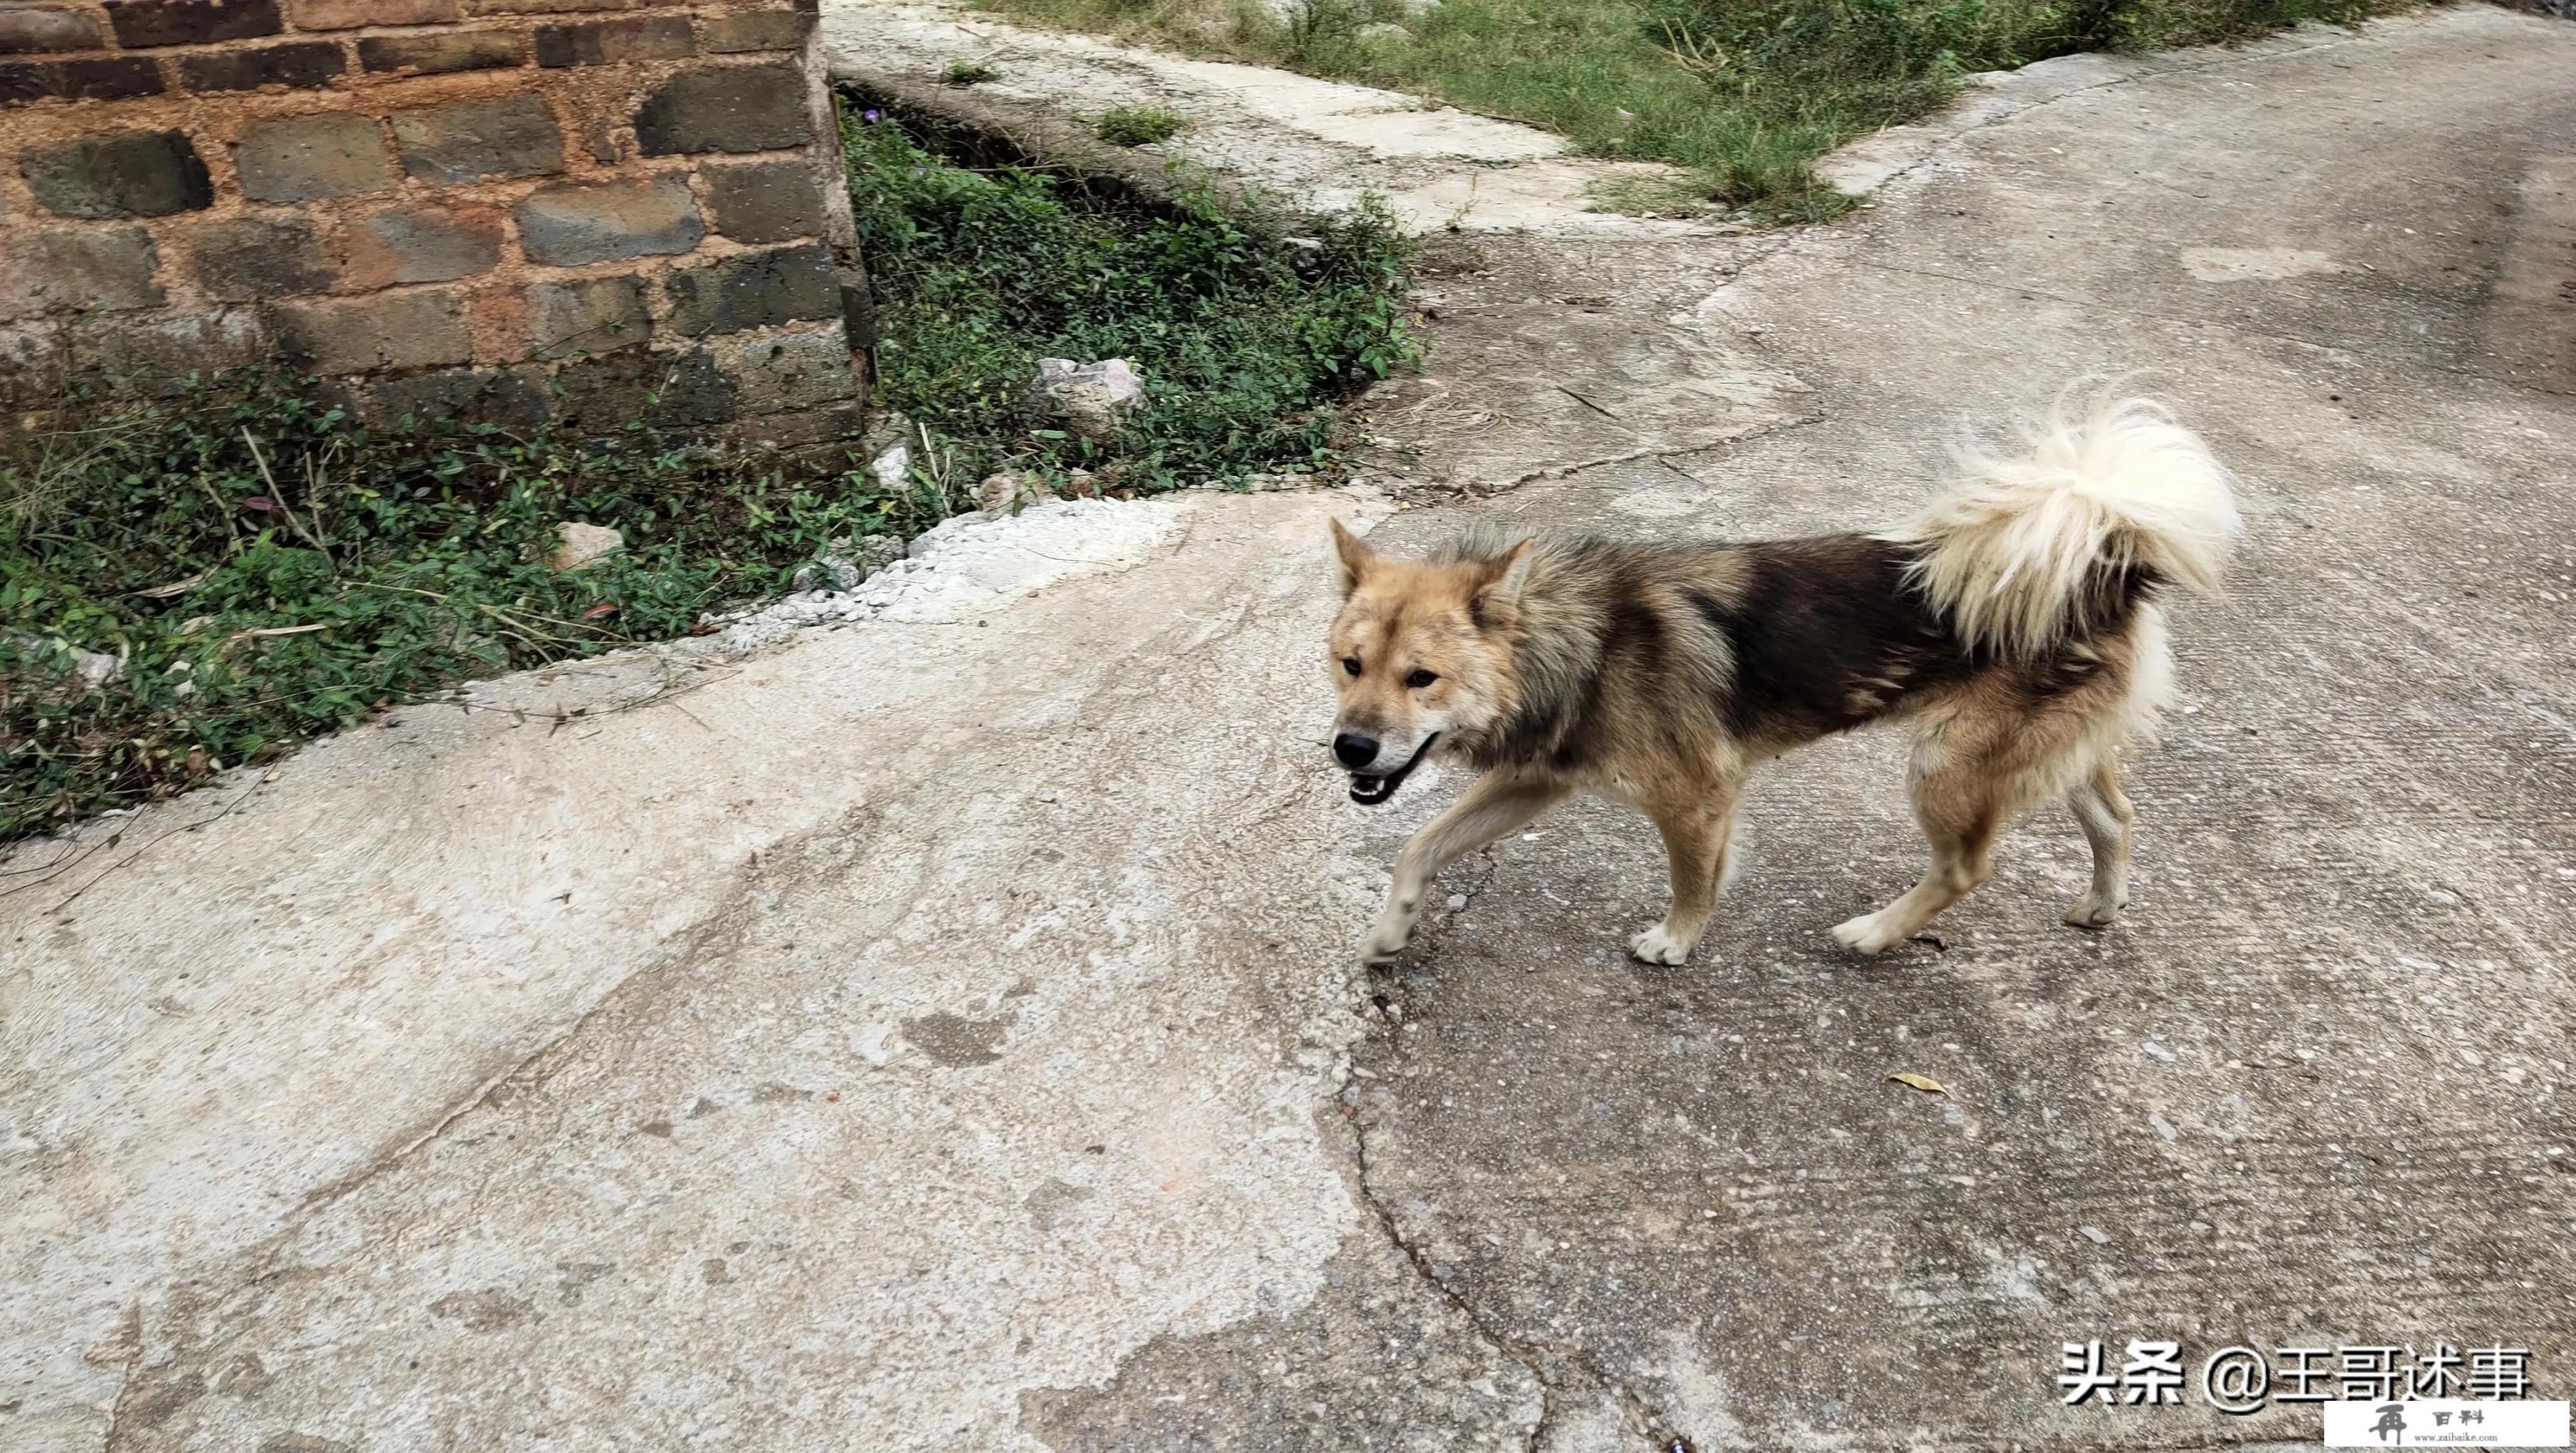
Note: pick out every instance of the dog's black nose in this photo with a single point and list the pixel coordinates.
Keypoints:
(1353, 750)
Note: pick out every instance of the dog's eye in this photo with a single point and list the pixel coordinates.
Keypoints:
(1351, 664)
(1420, 679)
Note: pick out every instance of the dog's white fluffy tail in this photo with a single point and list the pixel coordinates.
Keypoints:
(2023, 550)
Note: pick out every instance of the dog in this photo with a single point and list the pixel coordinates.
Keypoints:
(2017, 623)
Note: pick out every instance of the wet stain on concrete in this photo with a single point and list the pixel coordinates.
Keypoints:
(488, 1310)
(956, 1042)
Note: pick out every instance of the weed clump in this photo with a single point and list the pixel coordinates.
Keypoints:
(1139, 125)
(963, 72)
(245, 566)
(1244, 339)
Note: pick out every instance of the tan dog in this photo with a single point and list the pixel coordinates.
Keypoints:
(2015, 622)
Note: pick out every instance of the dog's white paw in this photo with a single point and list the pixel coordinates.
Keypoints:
(2096, 911)
(1386, 943)
(1868, 934)
(1659, 945)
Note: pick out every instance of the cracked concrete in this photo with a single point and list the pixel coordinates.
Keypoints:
(944, 1034)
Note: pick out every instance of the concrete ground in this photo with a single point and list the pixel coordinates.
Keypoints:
(944, 1032)
(1310, 144)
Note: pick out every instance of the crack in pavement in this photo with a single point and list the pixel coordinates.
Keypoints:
(1659, 452)
(1544, 1361)
(1538, 1358)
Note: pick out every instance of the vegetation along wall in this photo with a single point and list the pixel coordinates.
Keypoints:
(520, 211)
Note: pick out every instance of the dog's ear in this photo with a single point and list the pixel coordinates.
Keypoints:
(1503, 577)
(1355, 555)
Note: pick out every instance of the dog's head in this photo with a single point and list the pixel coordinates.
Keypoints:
(1419, 652)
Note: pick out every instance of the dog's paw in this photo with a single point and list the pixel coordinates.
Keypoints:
(1659, 945)
(2095, 911)
(1385, 943)
(1868, 934)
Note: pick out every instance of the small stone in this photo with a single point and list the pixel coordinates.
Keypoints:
(581, 544)
(844, 564)
(891, 466)
(1091, 399)
(90, 669)
(1010, 492)
(2097, 1235)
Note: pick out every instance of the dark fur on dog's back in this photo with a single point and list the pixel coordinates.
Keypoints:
(1781, 641)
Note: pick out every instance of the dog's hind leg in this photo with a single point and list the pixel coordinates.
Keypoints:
(2103, 811)
(1499, 802)
(1960, 811)
(1699, 841)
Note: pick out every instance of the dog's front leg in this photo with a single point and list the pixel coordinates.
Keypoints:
(1499, 802)
(1698, 833)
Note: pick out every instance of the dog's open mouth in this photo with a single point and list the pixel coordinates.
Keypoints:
(1370, 791)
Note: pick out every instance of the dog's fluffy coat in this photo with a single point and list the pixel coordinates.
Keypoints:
(2015, 622)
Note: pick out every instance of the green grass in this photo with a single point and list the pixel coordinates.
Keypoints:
(1139, 125)
(968, 73)
(1744, 93)
(1244, 339)
(267, 569)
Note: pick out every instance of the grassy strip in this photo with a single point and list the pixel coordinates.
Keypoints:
(261, 568)
(1744, 93)
(1244, 339)
(266, 570)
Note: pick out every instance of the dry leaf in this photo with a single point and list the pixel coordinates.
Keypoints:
(1925, 1083)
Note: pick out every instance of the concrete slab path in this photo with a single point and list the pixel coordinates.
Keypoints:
(942, 1033)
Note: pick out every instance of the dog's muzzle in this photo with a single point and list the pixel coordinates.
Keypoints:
(1369, 791)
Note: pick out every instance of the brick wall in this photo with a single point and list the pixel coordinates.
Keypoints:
(513, 210)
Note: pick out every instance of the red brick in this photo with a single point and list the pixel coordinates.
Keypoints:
(34, 30)
(609, 42)
(190, 22)
(438, 54)
(297, 64)
(754, 30)
(348, 14)
(409, 329)
(76, 269)
(424, 244)
(549, 7)
(300, 158)
(104, 78)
